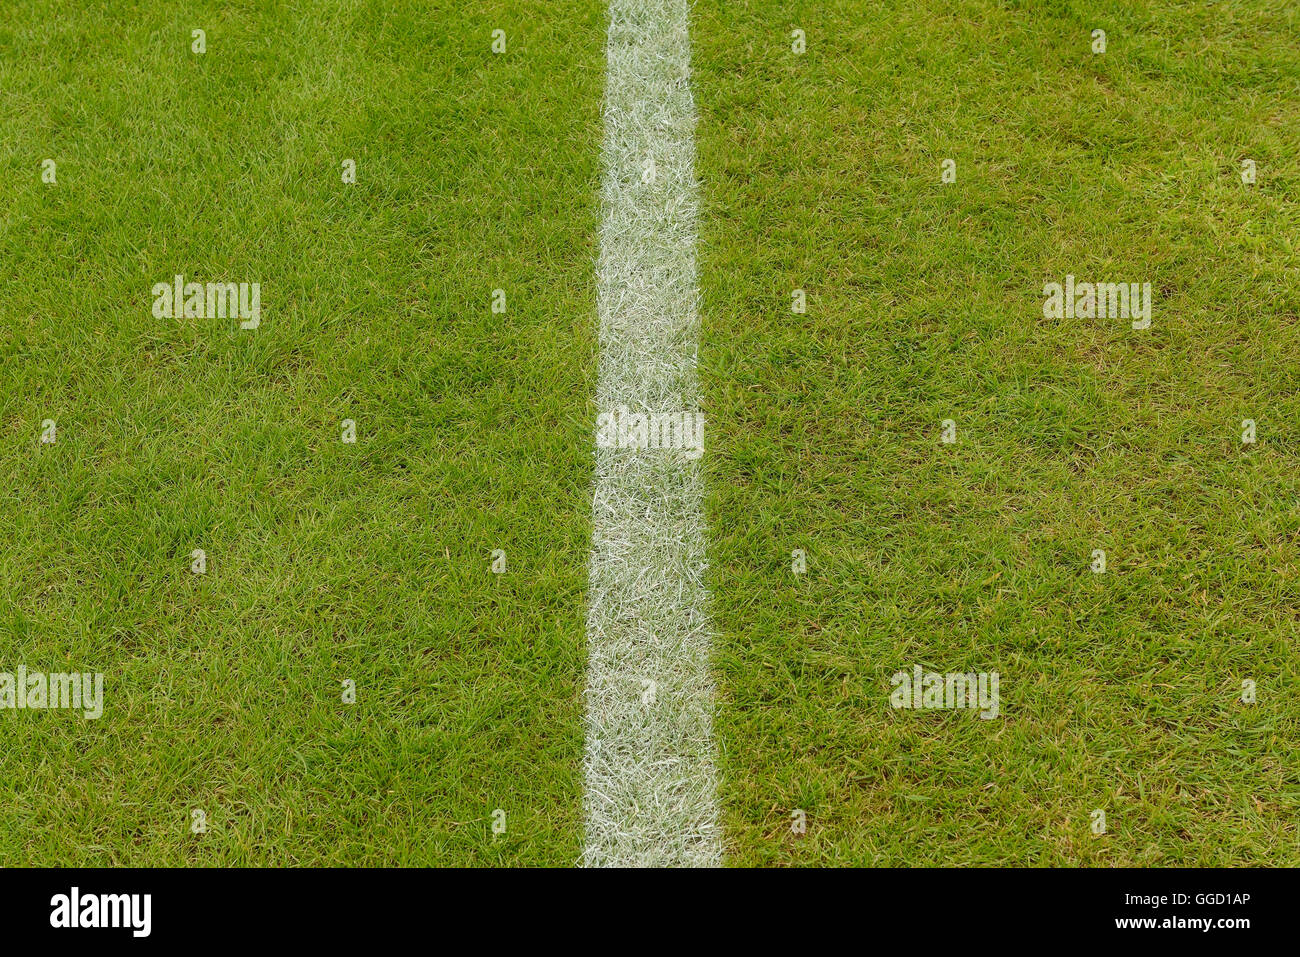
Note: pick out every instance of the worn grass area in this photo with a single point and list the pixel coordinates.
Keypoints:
(1119, 691)
(326, 561)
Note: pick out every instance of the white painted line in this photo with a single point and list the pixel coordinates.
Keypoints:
(650, 779)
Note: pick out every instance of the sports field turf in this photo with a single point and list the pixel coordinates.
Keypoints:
(1120, 691)
(372, 561)
(325, 561)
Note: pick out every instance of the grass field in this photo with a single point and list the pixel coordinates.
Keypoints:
(325, 561)
(1120, 691)
(371, 561)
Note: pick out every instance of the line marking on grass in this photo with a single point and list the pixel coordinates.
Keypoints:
(649, 767)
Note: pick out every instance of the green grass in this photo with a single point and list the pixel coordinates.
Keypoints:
(370, 562)
(326, 561)
(1119, 691)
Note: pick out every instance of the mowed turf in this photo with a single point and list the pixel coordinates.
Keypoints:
(371, 561)
(1119, 691)
(326, 561)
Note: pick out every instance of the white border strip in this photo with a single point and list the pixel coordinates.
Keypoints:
(650, 779)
